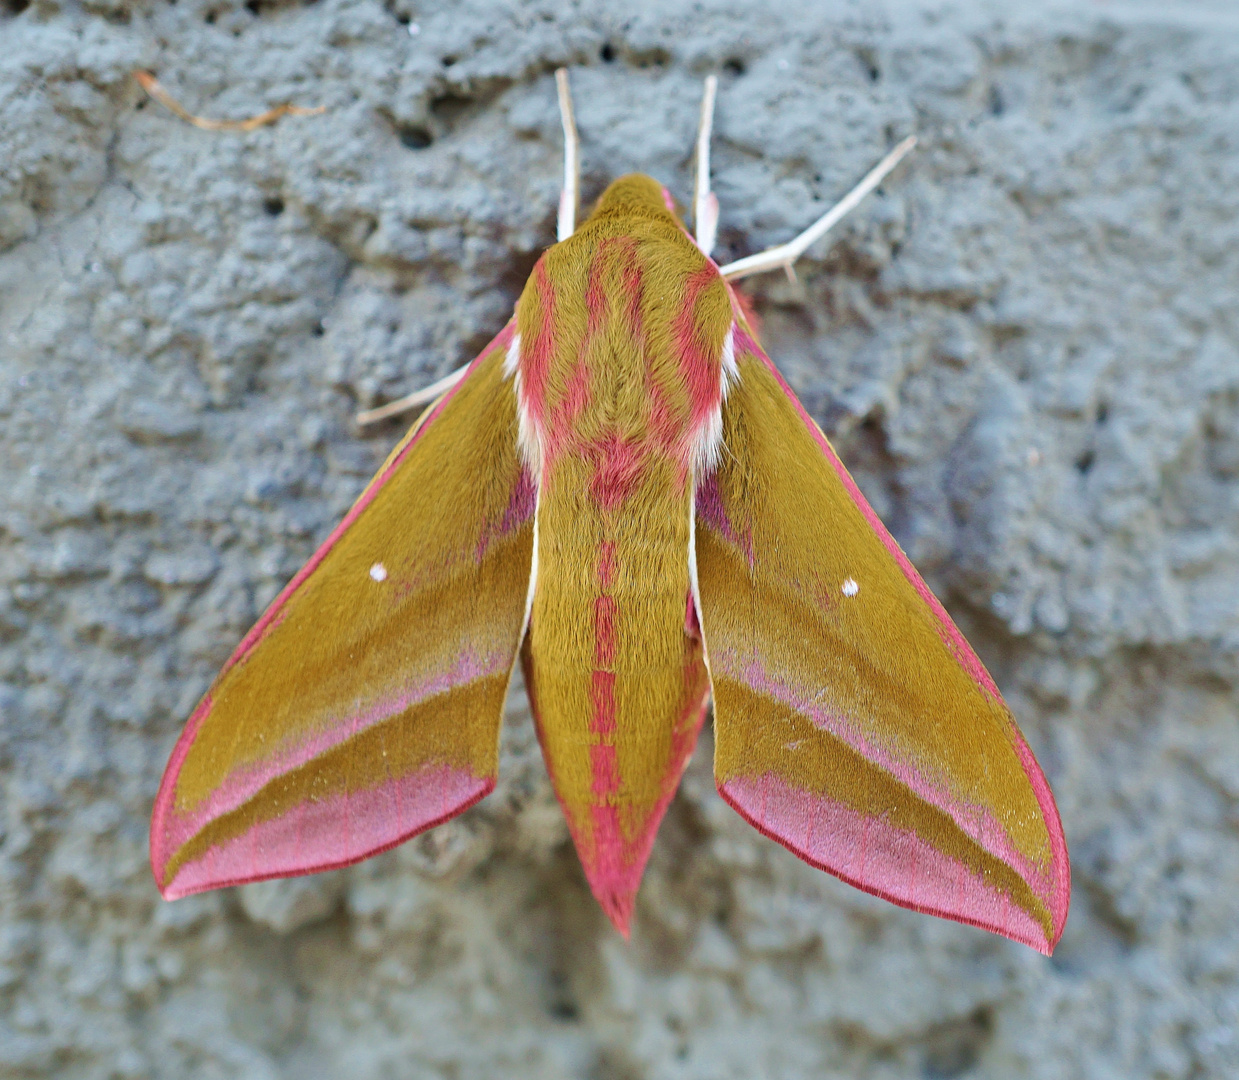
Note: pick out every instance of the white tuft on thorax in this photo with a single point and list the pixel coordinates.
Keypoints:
(527, 432)
(708, 438)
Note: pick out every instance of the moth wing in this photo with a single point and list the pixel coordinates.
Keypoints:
(365, 705)
(853, 723)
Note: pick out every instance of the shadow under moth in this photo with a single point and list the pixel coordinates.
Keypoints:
(623, 494)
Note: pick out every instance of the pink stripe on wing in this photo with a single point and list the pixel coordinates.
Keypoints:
(871, 855)
(709, 506)
(977, 822)
(172, 828)
(520, 509)
(334, 831)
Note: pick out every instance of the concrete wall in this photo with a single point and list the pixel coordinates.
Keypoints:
(1027, 348)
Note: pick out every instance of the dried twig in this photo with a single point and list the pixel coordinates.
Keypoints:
(150, 84)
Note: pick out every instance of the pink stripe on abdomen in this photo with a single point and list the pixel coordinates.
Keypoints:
(608, 842)
(602, 694)
(604, 766)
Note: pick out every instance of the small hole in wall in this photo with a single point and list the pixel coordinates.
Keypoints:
(253, 7)
(15, 7)
(734, 66)
(565, 1011)
(273, 207)
(561, 1004)
(655, 58)
(1085, 462)
(209, 18)
(319, 329)
(952, 1049)
(869, 64)
(1103, 413)
(449, 61)
(450, 108)
(607, 53)
(415, 137)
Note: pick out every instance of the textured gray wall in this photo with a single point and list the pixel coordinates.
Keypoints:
(1027, 348)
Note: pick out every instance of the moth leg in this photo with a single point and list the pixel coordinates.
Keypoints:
(412, 401)
(705, 204)
(572, 160)
(783, 256)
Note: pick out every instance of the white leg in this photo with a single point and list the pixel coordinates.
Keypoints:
(412, 401)
(572, 161)
(782, 257)
(705, 205)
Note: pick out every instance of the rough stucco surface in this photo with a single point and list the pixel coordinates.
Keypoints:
(1027, 348)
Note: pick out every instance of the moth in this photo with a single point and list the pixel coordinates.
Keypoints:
(622, 493)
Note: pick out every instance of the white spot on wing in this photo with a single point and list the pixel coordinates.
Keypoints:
(378, 572)
(850, 588)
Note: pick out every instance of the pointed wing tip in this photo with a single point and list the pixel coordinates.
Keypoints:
(175, 888)
(171, 892)
(1039, 942)
(168, 890)
(1059, 925)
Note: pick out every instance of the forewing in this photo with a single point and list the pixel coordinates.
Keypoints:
(853, 723)
(365, 705)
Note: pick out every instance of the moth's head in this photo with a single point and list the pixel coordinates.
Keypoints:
(635, 195)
